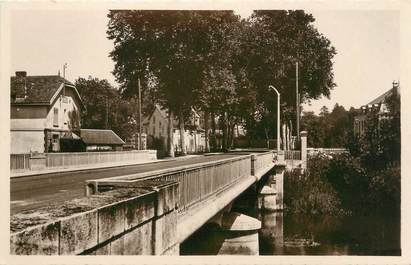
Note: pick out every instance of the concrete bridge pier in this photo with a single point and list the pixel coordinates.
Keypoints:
(267, 199)
(240, 233)
(278, 185)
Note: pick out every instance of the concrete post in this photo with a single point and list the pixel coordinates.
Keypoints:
(279, 185)
(253, 159)
(303, 136)
(240, 235)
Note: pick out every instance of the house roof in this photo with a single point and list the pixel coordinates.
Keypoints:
(381, 98)
(40, 89)
(96, 136)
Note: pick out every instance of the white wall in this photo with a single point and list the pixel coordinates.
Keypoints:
(27, 124)
(26, 141)
(63, 109)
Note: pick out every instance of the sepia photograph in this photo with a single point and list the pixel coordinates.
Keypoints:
(243, 130)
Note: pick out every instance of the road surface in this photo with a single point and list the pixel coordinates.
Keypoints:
(28, 193)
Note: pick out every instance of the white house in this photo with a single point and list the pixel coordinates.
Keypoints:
(42, 110)
(377, 107)
(156, 127)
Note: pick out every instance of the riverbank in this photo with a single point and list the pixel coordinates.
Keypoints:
(340, 185)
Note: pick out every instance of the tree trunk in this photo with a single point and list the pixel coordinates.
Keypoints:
(224, 129)
(232, 136)
(266, 138)
(284, 140)
(207, 146)
(170, 142)
(182, 135)
(213, 128)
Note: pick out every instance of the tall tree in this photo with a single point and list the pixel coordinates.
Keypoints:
(173, 46)
(276, 41)
(104, 107)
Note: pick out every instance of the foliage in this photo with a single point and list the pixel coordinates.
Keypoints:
(275, 41)
(104, 107)
(310, 193)
(74, 120)
(337, 123)
(342, 185)
(214, 62)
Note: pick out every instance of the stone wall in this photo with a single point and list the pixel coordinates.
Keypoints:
(127, 221)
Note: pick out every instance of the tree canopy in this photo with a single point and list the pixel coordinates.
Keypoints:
(104, 107)
(217, 63)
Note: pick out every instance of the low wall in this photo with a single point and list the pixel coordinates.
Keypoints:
(58, 160)
(127, 221)
(26, 162)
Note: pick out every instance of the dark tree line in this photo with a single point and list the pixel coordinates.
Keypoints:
(329, 129)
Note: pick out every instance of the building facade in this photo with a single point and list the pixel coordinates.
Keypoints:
(43, 110)
(376, 107)
(155, 126)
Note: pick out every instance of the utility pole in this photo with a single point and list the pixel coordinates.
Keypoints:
(106, 112)
(139, 116)
(297, 99)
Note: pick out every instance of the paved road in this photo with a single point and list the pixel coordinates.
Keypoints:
(29, 193)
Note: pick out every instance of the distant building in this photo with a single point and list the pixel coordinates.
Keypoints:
(155, 126)
(42, 111)
(101, 140)
(377, 107)
(132, 142)
(45, 117)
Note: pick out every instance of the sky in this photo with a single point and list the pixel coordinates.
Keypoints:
(367, 44)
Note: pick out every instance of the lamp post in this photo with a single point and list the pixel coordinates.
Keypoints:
(278, 117)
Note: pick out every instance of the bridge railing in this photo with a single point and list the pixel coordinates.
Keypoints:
(292, 155)
(196, 182)
(313, 151)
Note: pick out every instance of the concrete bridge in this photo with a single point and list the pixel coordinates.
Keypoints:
(153, 213)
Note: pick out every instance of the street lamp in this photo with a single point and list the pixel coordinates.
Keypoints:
(278, 118)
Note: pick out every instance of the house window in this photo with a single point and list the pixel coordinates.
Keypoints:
(56, 117)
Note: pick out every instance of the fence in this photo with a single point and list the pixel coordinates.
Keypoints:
(292, 155)
(19, 161)
(313, 151)
(54, 160)
(196, 182)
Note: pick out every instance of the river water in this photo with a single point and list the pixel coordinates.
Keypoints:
(283, 234)
(329, 235)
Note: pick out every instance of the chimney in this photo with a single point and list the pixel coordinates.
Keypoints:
(21, 74)
(20, 85)
(396, 87)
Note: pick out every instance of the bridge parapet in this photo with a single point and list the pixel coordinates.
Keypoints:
(127, 221)
(262, 162)
(197, 182)
(148, 213)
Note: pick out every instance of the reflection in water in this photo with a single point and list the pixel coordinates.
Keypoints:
(329, 235)
(271, 233)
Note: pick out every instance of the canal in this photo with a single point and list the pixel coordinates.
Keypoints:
(286, 234)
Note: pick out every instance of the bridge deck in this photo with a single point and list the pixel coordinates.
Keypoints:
(30, 193)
